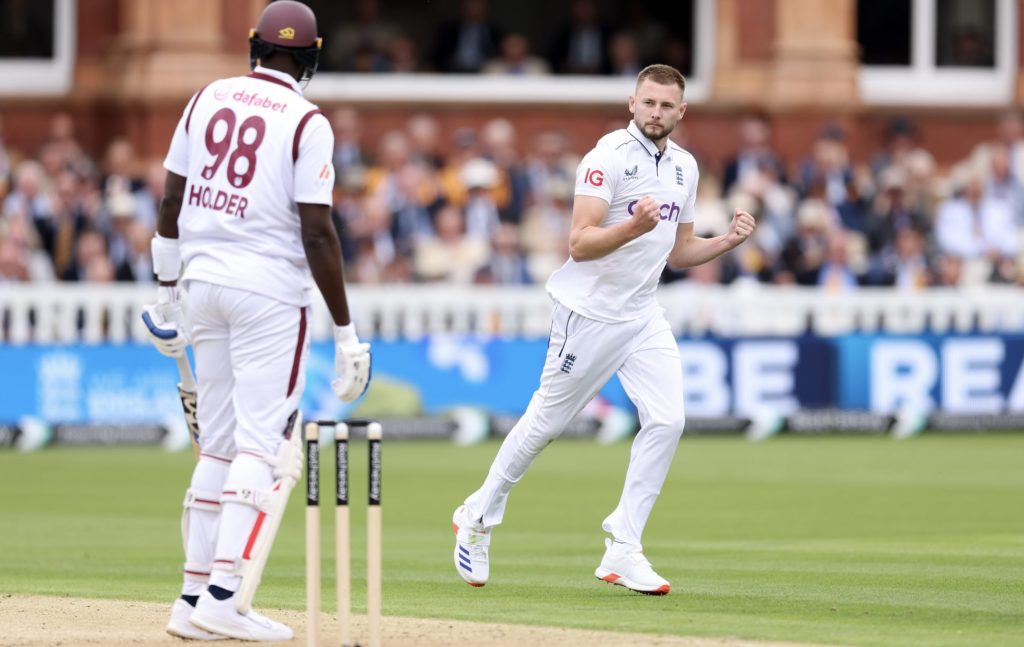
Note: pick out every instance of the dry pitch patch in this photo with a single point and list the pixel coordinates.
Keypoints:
(33, 621)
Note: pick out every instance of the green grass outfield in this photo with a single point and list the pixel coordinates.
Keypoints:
(849, 541)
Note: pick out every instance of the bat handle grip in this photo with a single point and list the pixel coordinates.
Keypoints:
(188, 381)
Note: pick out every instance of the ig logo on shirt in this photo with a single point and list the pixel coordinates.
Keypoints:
(594, 177)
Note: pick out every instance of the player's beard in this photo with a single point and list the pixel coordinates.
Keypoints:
(654, 132)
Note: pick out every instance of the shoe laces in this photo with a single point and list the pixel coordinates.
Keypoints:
(478, 553)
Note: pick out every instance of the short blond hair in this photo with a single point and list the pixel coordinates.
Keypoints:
(662, 75)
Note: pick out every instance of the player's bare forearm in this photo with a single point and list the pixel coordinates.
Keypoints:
(690, 250)
(588, 240)
(694, 250)
(323, 253)
(593, 241)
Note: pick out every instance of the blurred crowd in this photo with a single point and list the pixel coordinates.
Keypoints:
(473, 42)
(489, 206)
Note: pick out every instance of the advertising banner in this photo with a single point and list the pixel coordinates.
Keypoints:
(723, 378)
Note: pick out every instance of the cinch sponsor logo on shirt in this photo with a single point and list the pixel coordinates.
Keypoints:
(668, 211)
(255, 100)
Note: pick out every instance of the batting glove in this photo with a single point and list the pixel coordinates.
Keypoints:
(165, 322)
(287, 462)
(352, 364)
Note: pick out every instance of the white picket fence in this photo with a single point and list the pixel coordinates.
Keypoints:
(74, 313)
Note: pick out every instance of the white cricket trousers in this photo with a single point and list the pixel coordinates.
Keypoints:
(250, 353)
(582, 356)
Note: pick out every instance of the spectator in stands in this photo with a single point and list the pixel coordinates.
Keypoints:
(349, 193)
(971, 48)
(479, 177)
(981, 231)
(624, 55)
(393, 155)
(854, 209)
(950, 271)
(648, 34)
(545, 230)
(465, 44)
(412, 217)
(806, 253)
(675, 51)
(465, 146)
(62, 137)
(1010, 135)
(32, 201)
(892, 213)
(402, 56)
(138, 261)
(348, 145)
(506, 264)
(451, 255)
(119, 167)
(360, 44)
(424, 133)
(21, 258)
(771, 202)
(550, 162)
(899, 139)
(920, 181)
(147, 198)
(838, 273)
(90, 254)
(13, 262)
(371, 234)
(1003, 184)
(755, 154)
(829, 163)
(905, 265)
(581, 45)
(516, 59)
(498, 144)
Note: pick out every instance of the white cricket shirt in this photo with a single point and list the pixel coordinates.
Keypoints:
(624, 167)
(251, 148)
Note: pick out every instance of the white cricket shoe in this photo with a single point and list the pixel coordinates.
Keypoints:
(221, 617)
(179, 625)
(471, 543)
(625, 565)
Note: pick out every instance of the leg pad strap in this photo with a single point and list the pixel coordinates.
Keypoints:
(200, 500)
(262, 500)
(197, 572)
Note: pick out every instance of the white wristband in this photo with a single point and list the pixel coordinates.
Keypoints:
(345, 335)
(166, 257)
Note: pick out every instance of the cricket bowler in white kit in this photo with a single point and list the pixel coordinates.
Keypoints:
(633, 212)
(246, 209)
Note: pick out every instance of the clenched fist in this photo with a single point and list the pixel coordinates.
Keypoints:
(740, 228)
(646, 215)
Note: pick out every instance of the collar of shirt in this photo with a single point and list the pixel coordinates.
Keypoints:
(650, 146)
(284, 78)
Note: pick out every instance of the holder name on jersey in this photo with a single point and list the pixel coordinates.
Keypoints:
(233, 204)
